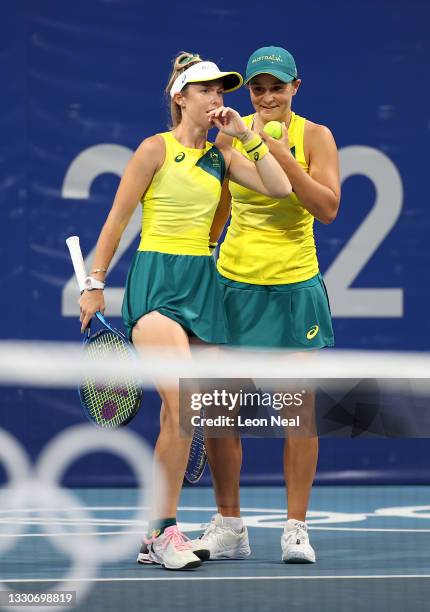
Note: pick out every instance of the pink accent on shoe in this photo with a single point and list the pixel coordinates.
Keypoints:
(180, 541)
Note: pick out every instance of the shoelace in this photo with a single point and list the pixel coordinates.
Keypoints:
(297, 534)
(172, 534)
(208, 529)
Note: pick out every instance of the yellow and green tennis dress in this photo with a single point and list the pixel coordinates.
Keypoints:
(273, 292)
(173, 271)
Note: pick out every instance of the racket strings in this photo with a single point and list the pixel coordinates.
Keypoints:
(197, 457)
(113, 404)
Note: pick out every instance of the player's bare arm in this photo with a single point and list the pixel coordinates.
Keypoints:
(318, 191)
(222, 213)
(145, 162)
(224, 207)
(265, 175)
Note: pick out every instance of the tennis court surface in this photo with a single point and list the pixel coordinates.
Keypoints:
(372, 543)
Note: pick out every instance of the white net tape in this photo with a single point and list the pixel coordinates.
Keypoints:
(63, 365)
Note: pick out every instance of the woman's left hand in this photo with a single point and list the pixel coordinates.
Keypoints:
(228, 121)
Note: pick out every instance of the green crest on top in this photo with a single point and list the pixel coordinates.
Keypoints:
(213, 163)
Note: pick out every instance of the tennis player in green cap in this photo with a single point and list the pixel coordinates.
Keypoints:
(273, 290)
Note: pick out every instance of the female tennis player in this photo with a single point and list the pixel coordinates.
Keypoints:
(172, 291)
(273, 291)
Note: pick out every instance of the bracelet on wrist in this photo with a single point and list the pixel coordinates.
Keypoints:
(246, 136)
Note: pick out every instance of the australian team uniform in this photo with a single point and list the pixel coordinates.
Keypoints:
(173, 271)
(274, 294)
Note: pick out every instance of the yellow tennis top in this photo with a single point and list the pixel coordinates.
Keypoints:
(269, 241)
(179, 205)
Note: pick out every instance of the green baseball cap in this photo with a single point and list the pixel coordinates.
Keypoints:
(272, 60)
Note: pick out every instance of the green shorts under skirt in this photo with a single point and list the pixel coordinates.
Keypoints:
(182, 287)
(296, 315)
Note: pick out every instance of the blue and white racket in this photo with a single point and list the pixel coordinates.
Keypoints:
(107, 405)
(198, 458)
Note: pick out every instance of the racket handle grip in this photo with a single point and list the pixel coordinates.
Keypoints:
(77, 260)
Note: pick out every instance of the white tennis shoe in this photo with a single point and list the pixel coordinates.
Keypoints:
(223, 541)
(172, 550)
(295, 543)
(196, 546)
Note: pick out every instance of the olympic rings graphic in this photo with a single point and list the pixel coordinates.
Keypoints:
(18, 470)
(59, 501)
(41, 485)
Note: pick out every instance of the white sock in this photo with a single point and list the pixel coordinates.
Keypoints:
(233, 521)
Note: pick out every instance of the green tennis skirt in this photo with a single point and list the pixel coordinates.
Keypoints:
(294, 316)
(184, 288)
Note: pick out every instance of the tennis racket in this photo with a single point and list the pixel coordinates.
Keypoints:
(198, 457)
(108, 405)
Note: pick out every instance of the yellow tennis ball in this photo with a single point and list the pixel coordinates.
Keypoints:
(273, 129)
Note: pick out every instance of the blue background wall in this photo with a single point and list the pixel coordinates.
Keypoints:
(82, 85)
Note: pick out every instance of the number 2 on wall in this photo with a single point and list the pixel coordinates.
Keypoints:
(357, 302)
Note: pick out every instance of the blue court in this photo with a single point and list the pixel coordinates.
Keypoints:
(372, 546)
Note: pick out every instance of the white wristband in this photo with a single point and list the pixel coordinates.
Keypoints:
(93, 283)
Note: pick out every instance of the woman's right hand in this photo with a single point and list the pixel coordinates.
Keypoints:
(277, 146)
(90, 302)
(228, 121)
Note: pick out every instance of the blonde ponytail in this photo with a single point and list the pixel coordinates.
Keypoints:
(183, 61)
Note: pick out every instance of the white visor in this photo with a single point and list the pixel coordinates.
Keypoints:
(206, 71)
